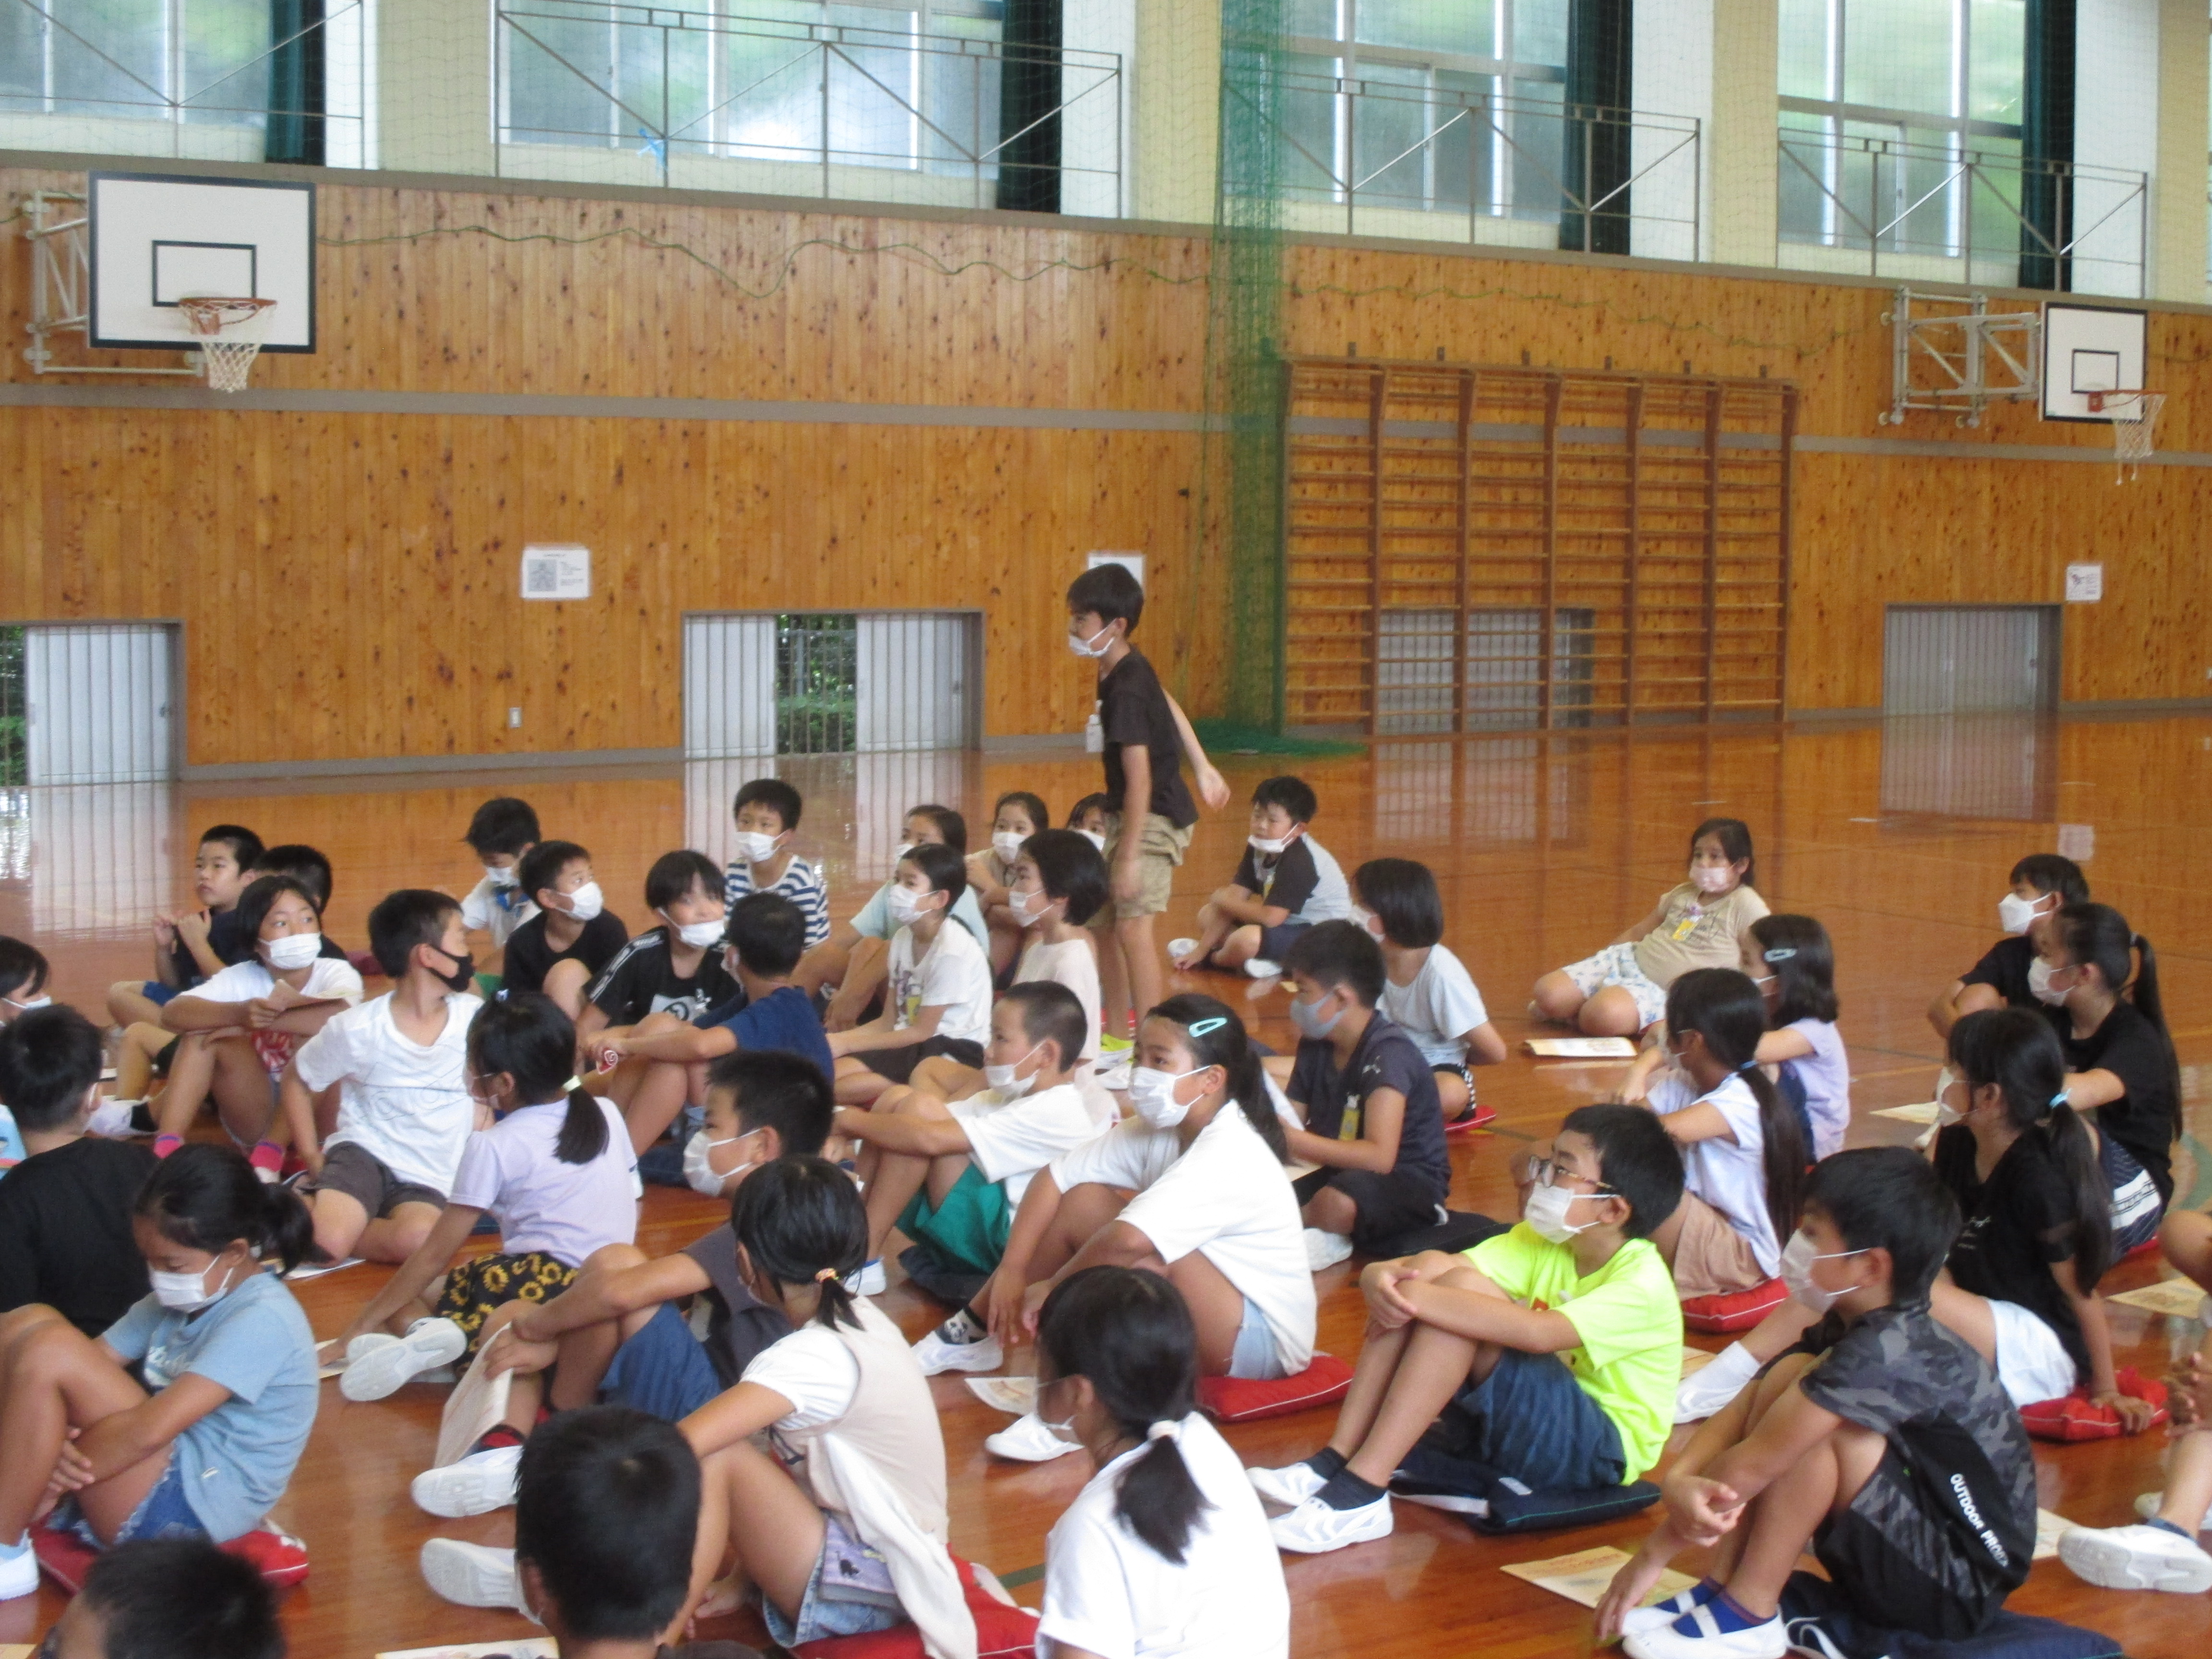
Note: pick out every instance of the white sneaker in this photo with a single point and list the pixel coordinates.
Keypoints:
(473, 1575)
(111, 1120)
(1768, 1641)
(935, 1355)
(1180, 948)
(1325, 1250)
(2136, 1557)
(869, 1280)
(369, 1342)
(1288, 1486)
(1027, 1440)
(1314, 1529)
(2148, 1505)
(1261, 967)
(1659, 1614)
(477, 1485)
(19, 1571)
(1707, 1391)
(386, 1368)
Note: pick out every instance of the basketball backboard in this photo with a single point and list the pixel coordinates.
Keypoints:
(156, 239)
(2089, 348)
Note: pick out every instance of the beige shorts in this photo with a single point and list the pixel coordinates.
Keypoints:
(1711, 1257)
(1157, 856)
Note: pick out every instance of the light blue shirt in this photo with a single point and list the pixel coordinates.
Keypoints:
(255, 1342)
(875, 922)
(11, 1143)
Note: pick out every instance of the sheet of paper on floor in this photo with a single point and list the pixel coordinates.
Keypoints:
(529, 1647)
(1582, 1576)
(1919, 1111)
(1014, 1394)
(1581, 1047)
(2176, 1298)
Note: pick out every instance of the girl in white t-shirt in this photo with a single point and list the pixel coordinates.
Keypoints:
(1166, 1551)
(242, 1025)
(937, 991)
(1426, 992)
(1017, 816)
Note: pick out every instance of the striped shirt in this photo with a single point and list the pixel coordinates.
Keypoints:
(800, 882)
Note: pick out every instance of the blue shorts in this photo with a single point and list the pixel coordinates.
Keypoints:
(1255, 1356)
(161, 1513)
(849, 1594)
(159, 995)
(663, 1370)
(1275, 942)
(1532, 1421)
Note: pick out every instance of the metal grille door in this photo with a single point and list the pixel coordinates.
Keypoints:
(729, 686)
(915, 681)
(98, 703)
(1970, 660)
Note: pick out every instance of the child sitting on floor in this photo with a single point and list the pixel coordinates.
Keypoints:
(1017, 816)
(2041, 883)
(1369, 1100)
(183, 955)
(1426, 990)
(554, 1167)
(1560, 1338)
(1285, 882)
(503, 830)
(190, 1413)
(675, 968)
(765, 813)
(1887, 1446)
(1697, 924)
(851, 964)
(22, 990)
(937, 997)
(562, 949)
(951, 1177)
(1088, 817)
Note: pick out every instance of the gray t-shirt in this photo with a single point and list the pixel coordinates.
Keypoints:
(740, 1326)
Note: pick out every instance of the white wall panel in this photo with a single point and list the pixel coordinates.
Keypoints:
(98, 704)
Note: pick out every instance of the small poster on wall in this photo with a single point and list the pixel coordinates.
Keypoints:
(2085, 584)
(556, 570)
(1132, 563)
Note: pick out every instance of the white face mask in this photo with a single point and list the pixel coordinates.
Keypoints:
(755, 848)
(1367, 918)
(185, 1292)
(499, 877)
(2015, 912)
(1798, 1256)
(26, 1007)
(1267, 848)
(1002, 1080)
(908, 907)
(1091, 648)
(1712, 877)
(1945, 1113)
(1546, 1213)
(1094, 837)
(1151, 1095)
(699, 935)
(586, 902)
(1029, 908)
(292, 950)
(2040, 988)
(699, 1174)
(899, 851)
(1007, 845)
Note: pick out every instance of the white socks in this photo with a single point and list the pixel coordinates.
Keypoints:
(1709, 1388)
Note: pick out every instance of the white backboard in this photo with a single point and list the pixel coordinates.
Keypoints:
(156, 239)
(2092, 348)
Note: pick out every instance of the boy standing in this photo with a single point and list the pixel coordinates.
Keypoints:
(767, 813)
(1884, 1442)
(1369, 1100)
(1285, 882)
(1561, 1340)
(1149, 814)
(502, 830)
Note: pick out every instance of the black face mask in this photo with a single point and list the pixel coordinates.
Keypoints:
(463, 976)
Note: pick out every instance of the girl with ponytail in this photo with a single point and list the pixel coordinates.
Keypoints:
(1743, 1146)
(1166, 1550)
(1213, 1210)
(208, 1440)
(2098, 979)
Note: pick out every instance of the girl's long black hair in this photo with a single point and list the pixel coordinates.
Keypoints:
(1724, 1008)
(1215, 1036)
(1131, 1334)
(204, 1195)
(801, 1222)
(1796, 952)
(527, 1036)
(2098, 933)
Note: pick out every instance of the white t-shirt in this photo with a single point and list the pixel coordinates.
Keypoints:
(1107, 1592)
(814, 1369)
(1331, 898)
(1436, 1007)
(566, 1210)
(1730, 1175)
(953, 974)
(329, 978)
(1226, 1198)
(496, 910)
(1010, 1141)
(404, 1104)
(1826, 1074)
(1074, 964)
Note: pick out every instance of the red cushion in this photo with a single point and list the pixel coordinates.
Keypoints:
(278, 1557)
(2149, 1247)
(1003, 1631)
(1738, 1311)
(1241, 1399)
(2073, 1418)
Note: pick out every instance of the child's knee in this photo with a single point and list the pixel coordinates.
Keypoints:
(612, 1258)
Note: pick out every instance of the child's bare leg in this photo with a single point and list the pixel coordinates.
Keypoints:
(822, 965)
(899, 1176)
(653, 1104)
(243, 1097)
(395, 1237)
(1006, 939)
(1557, 997)
(1610, 1012)
(192, 1073)
(1385, 1394)
(2188, 1494)
(1279, 1067)
(857, 1083)
(865, 970)
(54, 1378)
(1781, 1521)
(749, 1508)
(1113, 980)
(133, 1059)
(2186, 1236)
(565, 983)
(1141, 959)
(1239, 948)
(1331, 1211)
(945, 1078)
(128, 1005)
(1452, 1095)
(1083, 1211)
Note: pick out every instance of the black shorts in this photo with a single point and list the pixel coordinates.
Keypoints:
(1275, 942)
(361, 1176)
(898, 1064)
(1386, 1205)
(1902, 1568)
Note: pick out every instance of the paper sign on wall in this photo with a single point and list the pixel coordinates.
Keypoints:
(2085, 584)
(1132, 563)
(556, 570)
(2077, 841)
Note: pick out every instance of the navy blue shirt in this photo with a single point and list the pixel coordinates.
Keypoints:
(1384, 1058)
(783, 1019)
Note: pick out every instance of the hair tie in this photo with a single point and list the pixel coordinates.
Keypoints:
(1780, 953)
(1207, 1027)
(825, 1275)
(2058, 1100)
(572, 1085)
(500, 995)
(1166, 1429)
(1749, 1065)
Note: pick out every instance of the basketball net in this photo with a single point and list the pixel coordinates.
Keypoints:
(2134, 427)
(228, 331)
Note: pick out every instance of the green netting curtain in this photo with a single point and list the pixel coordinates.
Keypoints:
(295, 83)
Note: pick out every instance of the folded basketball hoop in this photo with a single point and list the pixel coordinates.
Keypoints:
(228, 331)
(2134, 414)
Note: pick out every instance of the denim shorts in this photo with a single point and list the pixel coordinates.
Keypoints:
(1533, 1422)
(849, 1594)
(1254, 1356)
(161, 1513)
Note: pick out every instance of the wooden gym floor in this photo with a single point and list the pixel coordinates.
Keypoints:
(1546, 847)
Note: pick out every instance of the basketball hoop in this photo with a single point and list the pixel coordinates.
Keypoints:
(2134, 414)
(228, 331)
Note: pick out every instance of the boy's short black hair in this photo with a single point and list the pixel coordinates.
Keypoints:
(950, 825)
(2047, 872)
(244, 845)
(1889, 1197)
(1636, 1158)
(181, 1598)
(768, 933)
(607, 1507)
(774, 1089)
(1071, 868)
(260, 897)
(542, 866)
(947, 870)
(772, 792)
(503, 825)
(1108, 591)
(404, 919)
(1049, 1009)
(1334, 953)
(1403, 894)
(22, 967)
(48, 1059)
(674, 875)
(1294, 795)
(304, 865)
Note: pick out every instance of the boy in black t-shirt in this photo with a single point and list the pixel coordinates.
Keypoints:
(1370, 1099)
(674, 968)
(2041, 883)
(1284, 883)
(66, 1235)
(562, 949)
(1886, 1442)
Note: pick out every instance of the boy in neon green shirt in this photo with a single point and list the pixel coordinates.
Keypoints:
(1561, 1340)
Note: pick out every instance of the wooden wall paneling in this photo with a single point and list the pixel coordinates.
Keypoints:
(1633, 588)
